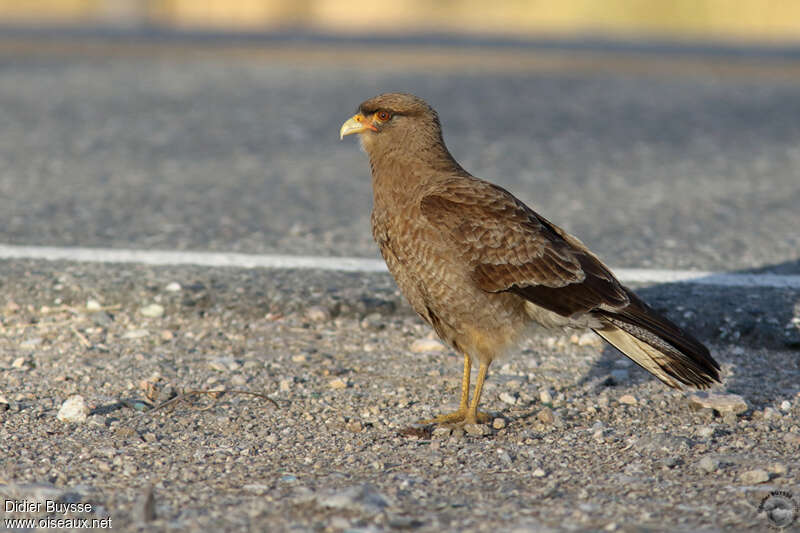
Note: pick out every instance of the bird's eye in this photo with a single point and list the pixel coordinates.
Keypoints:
(383, 116)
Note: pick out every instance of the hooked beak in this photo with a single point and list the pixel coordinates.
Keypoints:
(356, 124)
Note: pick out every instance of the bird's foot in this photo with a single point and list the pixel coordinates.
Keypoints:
(459, 418)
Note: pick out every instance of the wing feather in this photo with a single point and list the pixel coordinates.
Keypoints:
(509, 247)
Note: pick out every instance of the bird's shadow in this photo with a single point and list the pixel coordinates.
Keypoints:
(753, 332)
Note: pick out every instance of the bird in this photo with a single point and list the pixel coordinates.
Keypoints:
(482, 268)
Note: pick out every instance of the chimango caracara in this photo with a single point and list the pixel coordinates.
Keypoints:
(480, 266)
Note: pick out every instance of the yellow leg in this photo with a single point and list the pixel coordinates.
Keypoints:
(473, 416)
(467, 413)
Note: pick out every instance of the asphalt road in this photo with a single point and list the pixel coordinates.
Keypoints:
(662, 166)
(655, 157)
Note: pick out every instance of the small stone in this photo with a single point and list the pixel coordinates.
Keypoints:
(499, 423)
(223, 364)
(477, 430)
(545, 396)
(93, 305)
(364, 498)
(754, 477)
(101, 318)
(285, 385)
(507, 398)
(337, 384)
(720, 402)
(705, 432)
(786, 405)
(778, 469)
(152, 311)
(546, 416)
(539, 473)
(792, 439)
(173, 286)
(586, 339)
(426, 345)
(73, 409)
(354, 426)
(708, 464)
(318, 313)
(771, 413)
(339, 523)
(627, 399)
(441, 432)
(135, 334)
(19, 362)
(167, 335)
(299, 358)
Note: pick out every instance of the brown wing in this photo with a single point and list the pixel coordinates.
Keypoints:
(511, 248)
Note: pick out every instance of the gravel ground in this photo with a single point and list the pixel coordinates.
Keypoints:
(582, 440)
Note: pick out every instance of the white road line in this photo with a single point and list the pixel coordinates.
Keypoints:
(354, 264)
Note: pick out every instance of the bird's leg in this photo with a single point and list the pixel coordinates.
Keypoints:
(473, 416)
(464, 409)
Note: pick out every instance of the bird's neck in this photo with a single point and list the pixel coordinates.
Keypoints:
(403, 170)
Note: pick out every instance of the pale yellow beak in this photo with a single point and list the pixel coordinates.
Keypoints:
(355, 124)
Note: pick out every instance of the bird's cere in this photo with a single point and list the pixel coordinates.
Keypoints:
(355, 124)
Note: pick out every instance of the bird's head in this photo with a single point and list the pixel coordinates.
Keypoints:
(394, 121)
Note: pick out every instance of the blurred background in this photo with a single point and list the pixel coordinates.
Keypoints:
(761, 20)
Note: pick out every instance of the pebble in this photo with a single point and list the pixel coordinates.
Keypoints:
(365, 498)
(101, 318)
(708, 464)
(173, 286)
(778, 468)
(19, 362)
(720, 402)
(354, 426)
(628, 399)
(786, 405)
(167, 335)
(705, 432)
(771, 413)
(546, 416)
(507, 398)
(477, 430)
(73, 409)
(754, 477)
(792, 439)
(426, 345)
(152, 311)
(224, 364)
(337, 384)
(441, 432)
(93, 305)
(285, 385)
(499, 423)
(545, 396)
(135, 334)
(539, 473)
(318, 313)
(586, 339)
